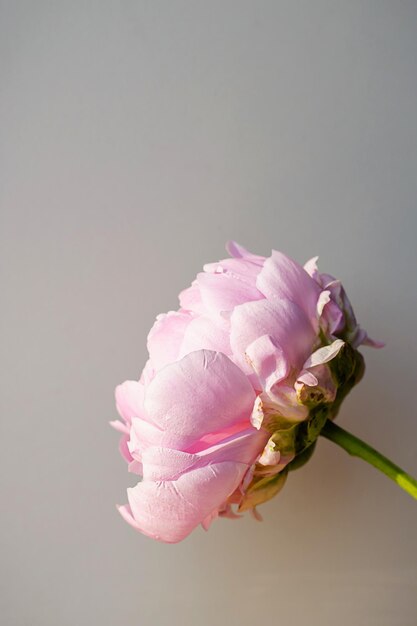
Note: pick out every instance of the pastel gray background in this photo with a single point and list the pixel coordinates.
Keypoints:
(136, 138)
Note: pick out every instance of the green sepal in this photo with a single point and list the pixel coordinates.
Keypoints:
(302, 458)
(261, 490)
(348, 367)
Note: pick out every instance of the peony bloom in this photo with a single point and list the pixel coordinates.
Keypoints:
(239, 382)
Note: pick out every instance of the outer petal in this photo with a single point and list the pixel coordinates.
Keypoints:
(224, 291)
(239, 252)
(144, 434)
(148, 373)
(170, 510)
(281, 277)
(242, 269)
(126, 512)
(207, 332)
(333, 317)
(268, 361)
(166, 336)
(129, 400)
(124, 448)
(201, 393)
(285, 323)
(190, 299)
(324, 298)
(312, 269)
(167, 464)
(324, 354)
(372, 343)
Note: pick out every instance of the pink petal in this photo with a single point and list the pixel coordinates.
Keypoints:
(207, 333)
(268, 361)
(129, 399)
(169, 510)
(239, 252)
(124, 448)
(312, 269)
(168, 464)
(201, 393)
(333, 316)
(242, 447)
(240, 269)
(284, 322)
(281, 277)
(190, 299)
(372, 343)
(148, 373)
(207, 521)
(135, 467)
(324, 354)
(120, 427)
(218, 437)
(222, 292)
(324, 298)
(285, 398)
(139, 439)
(166, 336)
(307, 378)
(144, 435)
(126, 512)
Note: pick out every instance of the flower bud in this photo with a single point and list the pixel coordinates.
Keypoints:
(239, 383)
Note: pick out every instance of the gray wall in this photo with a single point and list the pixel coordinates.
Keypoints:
(136, 137)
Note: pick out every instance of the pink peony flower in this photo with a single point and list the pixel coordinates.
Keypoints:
(238, 385)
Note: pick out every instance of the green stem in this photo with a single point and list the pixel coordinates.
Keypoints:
(357, 447)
